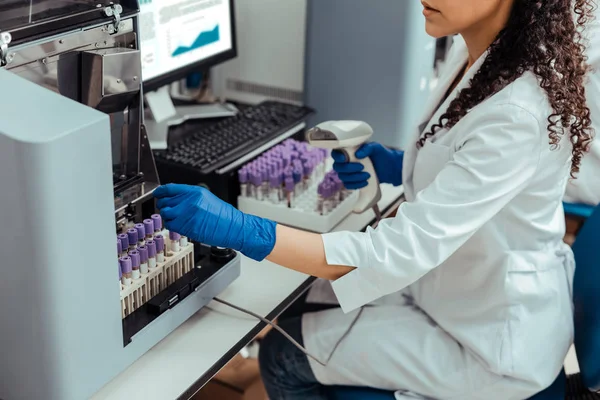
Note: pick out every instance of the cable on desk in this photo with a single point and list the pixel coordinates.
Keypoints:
(235, 315)
(274, 326)
(378, 215)
(288, 337)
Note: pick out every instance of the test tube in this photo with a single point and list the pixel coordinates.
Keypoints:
(308, 171)
(183, 242)
(275, 192)
(331, 196)
(119, 248)
(126, 270)
(335, 199)
(320, 199)
(151, 245)
(264, 173)
(160, 248)
(141, 232)
(135, 264)
(287, 159)
(258, 183)
(249, 192)
(243, 179)
(156, 218)
(124, 243)
(340, 188)
(297, 175)
(175, 237)
(323, 161)
(143, 250)
(255, 180)
(318, 165)
(326, 198)
(132, 235)
(120, 275)
(289, 191)
(148, 228)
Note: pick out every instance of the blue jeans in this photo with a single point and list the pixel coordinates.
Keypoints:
(285, 370)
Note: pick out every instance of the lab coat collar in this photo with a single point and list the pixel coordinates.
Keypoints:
(456, 63)
(457, 60)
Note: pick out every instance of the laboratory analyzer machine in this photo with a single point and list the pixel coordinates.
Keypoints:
(90, 279)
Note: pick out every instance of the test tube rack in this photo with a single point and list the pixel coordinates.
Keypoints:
(304, 214)
(176, 265)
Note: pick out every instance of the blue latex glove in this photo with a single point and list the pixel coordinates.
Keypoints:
(387, 164)
(195, 212)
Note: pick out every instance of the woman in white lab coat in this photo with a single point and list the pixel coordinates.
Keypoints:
(466, 293)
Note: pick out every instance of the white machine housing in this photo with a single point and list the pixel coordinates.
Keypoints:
(76, 168)
(62, 333)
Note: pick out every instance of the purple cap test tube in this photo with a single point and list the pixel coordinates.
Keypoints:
(143, 250)
(243, 175)
(124, 241)
(132, 235)
(141, 232)
(125, 263)
(135, 259)
(175, 238)
(148, 228)
(151, 245)
(289, 184)
(255, 178)
(160, 242)
(156, 218)
(307, 169)
(275, 181)
(297, 174)
(330, 190)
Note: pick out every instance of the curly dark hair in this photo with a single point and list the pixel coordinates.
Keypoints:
(542, 36)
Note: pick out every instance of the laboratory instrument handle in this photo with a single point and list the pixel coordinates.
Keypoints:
(370, 195)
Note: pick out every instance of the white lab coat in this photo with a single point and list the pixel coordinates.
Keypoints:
(586, 188)
(478, 247)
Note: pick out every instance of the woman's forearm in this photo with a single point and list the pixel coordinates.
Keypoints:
(304, 252)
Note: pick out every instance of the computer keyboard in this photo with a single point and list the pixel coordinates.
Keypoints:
(223, 143)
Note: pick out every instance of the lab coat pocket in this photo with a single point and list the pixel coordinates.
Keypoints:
(431, 158)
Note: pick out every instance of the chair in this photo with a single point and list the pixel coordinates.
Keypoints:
(578, 210)
(586, 293)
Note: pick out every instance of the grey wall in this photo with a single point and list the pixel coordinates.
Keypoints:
(368, 60)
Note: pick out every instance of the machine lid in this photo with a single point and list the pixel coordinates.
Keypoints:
(29, 19)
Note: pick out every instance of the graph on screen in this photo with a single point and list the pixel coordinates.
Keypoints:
(179, 33)
(203, 39)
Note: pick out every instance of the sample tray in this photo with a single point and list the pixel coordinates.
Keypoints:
(304, 214)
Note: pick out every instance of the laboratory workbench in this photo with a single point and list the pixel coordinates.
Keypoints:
(178, 366)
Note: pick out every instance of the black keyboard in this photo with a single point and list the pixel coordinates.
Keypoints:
(224, 142)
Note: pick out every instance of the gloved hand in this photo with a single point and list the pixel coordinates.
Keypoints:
(387, 164)
(195, 212)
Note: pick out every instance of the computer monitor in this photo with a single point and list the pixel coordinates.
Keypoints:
(178, 37)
